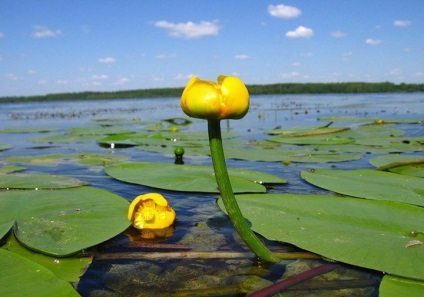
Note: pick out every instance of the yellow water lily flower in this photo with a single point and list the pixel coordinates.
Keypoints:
(151, 211)
(227, 99)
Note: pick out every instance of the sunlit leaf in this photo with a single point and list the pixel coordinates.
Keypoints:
(66, 138)
(100, 159)
(399, 163)
(188, 178)
(393, 286)
(370, 184)
(367, 233)
(312, 140)
(38, 181)
(67, 268)
(27, 130)
(5, 146)
(98, 131)
(300, 154)
(63, 222)
(300, 132)
(10, 169)
(22, 277)
(373, 131)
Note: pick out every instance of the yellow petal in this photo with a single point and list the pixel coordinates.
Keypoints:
(157, 198)
(234, 96)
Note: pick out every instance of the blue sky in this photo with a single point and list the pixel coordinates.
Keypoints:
(50, 46)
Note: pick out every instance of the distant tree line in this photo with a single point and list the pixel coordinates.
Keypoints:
(268, 89)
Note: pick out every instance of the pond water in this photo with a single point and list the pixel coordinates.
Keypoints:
(204, 257)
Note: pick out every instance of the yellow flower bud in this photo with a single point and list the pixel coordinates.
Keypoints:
(151, 211)
(227, 99)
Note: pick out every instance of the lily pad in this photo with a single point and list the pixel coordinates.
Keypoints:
(393, 286)
(38, 181)
(28, 130)
(62, 222)
(20, 277)
(10, 169)
(5, 146)
(361, 232)
(66, 138)
(188, 178)
(401, 164)
(370, 184)
(289, 155)
(99, 131)
(127, 140)
(67, 268)
(300, 132)
(311, 140)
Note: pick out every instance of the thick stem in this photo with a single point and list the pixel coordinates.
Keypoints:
(227, 195)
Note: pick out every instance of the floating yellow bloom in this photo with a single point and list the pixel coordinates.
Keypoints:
(227, 99)
(151, 211)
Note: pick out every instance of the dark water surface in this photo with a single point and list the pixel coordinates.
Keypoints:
(203, 257)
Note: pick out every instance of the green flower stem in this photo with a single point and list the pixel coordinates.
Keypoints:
(227, 195)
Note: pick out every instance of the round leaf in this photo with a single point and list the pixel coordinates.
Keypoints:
(370, 184)
(188, 177)
(63, 222)
(22, 277)
(367, 233)
(38, 181)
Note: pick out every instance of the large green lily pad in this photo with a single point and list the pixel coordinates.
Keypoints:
(380, 235)
(370, 184)
(188, 178)
(38, 181)
(22, 277)
(66, 268)
(62, 222)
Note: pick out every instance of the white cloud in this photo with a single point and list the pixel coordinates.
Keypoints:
(42, 82)
(121, 81)
(292, 74)
(241, 57)
(284, 11)
(190, 30)
(402, 23)
(12, 76)
(300, 32)
(99, 77)
(371, 41)
(61, 82)
(180, 76)
(165, 56)
(338, 34)
(107, 60)
(44, 32)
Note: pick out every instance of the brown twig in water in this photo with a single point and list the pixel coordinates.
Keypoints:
(291, 281)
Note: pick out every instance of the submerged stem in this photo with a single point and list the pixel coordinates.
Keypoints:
(227, 195)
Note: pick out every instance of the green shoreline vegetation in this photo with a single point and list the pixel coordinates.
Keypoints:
(267, 89)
